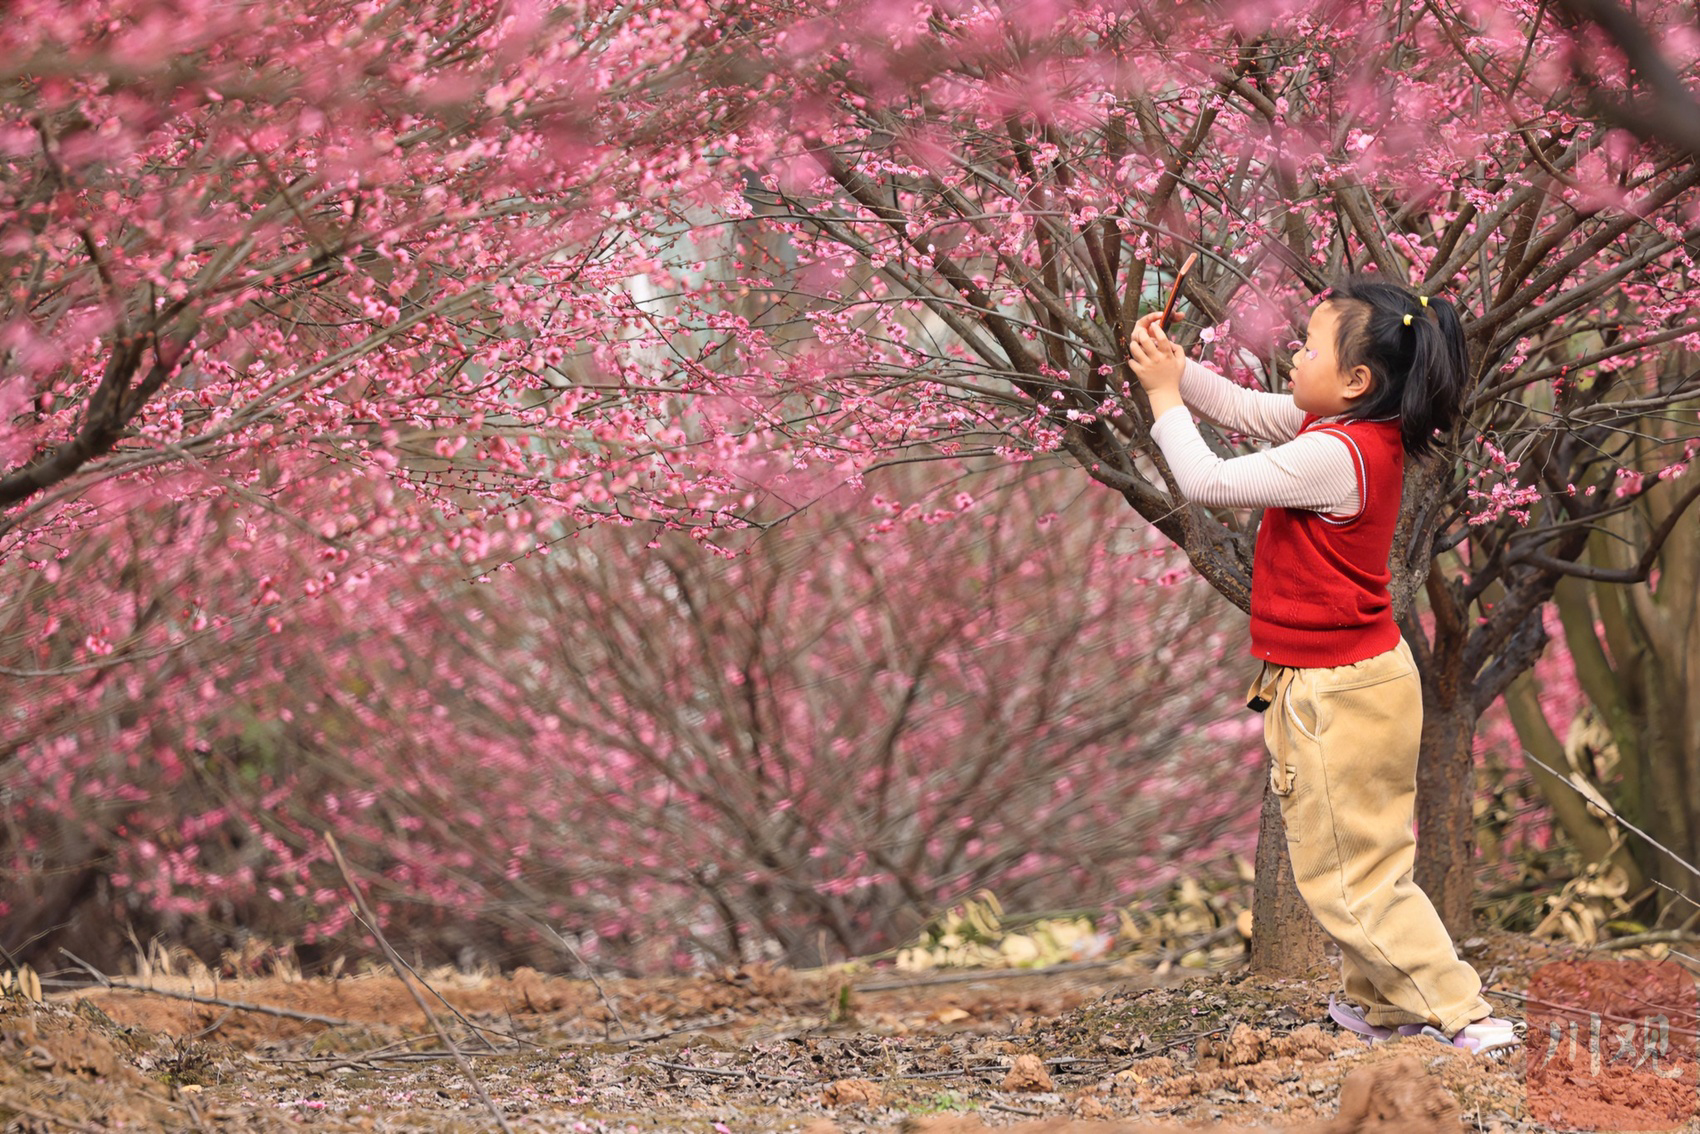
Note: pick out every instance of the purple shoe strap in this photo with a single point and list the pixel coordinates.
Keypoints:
(1352, 1021)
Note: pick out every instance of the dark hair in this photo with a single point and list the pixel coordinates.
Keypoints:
(1418, 369)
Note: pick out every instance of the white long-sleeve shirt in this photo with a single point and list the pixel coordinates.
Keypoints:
(1317, 471)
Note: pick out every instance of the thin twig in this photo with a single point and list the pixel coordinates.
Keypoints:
(1186, 1039)
(727, 1072)
(1221, 932)
(396, 1046)
(987, 974)
(86, 967)
(732, 1072)
(645, 1037)
(336, 1062)
(239, 1005)
(1169, 955)
(474, 1028)
(212, 1027)
(564, 1045)
(607, 1001)
(343, 1058)
(1014, 1109)
(1655, 937)
(401, 972)
(1672, 855)
(1612, 1017)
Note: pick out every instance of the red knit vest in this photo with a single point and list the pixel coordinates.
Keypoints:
(1319, 585)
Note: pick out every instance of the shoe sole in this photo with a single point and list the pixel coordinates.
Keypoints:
(1372, 1034)
(1496, 1051)
(1357, 1025)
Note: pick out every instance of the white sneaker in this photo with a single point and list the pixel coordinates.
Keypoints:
(1488, 1036)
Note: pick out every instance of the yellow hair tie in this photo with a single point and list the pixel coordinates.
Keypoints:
(1423, 299)
(1407, 320)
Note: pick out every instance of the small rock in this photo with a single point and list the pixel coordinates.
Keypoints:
(1028, 1073)
(1091, 1107)
(1308, 1044)
(1244, 1045)
(852, 1092)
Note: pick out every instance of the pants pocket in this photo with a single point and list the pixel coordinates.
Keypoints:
(1285, 733)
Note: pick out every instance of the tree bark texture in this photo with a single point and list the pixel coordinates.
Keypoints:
(1286, 940)
(1446, 824)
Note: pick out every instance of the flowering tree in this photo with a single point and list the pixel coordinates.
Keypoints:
(798, 752)
(258, 243)
(302, 301)
(355, 294)
(1629, 619)
(977, 204)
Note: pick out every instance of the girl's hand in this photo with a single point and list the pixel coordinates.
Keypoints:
(1157, 362)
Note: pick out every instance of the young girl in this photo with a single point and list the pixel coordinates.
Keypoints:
(1380, 370)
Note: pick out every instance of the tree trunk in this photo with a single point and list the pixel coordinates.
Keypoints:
(1653, 698)
(1591, 836)
(1446, 820)
(1636, 652)
(1286, 940)
(1667, 627)
(1671, 773)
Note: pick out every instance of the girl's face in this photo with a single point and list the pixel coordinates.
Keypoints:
(1318, 385)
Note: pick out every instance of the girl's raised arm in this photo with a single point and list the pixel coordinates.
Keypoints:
(1256, 413)
(1316, 471)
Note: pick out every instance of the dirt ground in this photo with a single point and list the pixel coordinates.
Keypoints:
(1082, 1049)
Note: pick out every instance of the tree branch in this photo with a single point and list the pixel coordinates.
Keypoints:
(1671, 116)
(1636, 574)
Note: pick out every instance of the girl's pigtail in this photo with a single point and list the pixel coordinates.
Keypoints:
(1440, 368)
(1415, 352)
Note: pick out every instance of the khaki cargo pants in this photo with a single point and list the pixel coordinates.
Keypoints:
(1343, 749)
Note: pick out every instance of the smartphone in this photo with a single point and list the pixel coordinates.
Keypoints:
(1175, 292)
